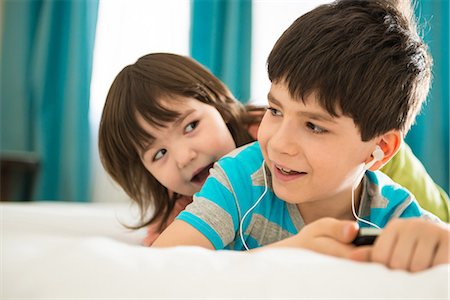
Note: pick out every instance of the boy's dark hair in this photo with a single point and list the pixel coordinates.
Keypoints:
(138, 90)
(364, 59)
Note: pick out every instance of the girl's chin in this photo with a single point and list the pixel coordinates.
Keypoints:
(199, 183)
(195, 187)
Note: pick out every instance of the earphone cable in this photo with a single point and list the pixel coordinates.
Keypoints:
(254, 205)
(353, 205)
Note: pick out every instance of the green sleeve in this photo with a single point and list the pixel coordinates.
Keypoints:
(406, 169)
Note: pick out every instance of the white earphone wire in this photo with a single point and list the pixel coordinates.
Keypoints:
(368, 166)
(254, 205)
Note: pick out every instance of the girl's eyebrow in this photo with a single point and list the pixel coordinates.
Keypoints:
(176, 122)
(183, 116)
(145, 148)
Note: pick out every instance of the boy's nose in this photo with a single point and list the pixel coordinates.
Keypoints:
(284, 141)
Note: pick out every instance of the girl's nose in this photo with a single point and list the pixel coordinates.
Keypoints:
(184, 156)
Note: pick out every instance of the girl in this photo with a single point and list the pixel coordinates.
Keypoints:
(167, 119)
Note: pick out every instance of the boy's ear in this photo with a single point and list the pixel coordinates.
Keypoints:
(389, 143)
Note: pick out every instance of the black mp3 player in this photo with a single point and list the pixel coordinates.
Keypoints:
(366, 236)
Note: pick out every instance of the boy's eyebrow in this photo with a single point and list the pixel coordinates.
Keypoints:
(311, 115)
(318, 116)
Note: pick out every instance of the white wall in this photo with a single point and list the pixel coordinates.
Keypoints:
(270, 19)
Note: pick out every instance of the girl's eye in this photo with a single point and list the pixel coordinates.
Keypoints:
(159, 154)
(274, 111)
(315, 129)
(191, 126)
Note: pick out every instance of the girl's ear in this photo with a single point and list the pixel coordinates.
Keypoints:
(389, 143)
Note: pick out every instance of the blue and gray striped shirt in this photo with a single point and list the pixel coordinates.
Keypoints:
(237, 181)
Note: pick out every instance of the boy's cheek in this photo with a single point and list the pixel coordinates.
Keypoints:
(264, 128)
(265, 134)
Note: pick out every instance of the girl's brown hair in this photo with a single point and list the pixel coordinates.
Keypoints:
(137, 90)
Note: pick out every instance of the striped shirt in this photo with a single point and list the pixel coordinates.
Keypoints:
(237, 181)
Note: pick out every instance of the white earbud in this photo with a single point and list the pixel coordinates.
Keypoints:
(378, 155)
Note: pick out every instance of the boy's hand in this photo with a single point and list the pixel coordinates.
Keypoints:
(408, 244)
(327, 235)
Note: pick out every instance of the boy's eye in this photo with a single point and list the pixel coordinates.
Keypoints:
(191, 126)
(159, 154)
(314, 128)
(274, 111)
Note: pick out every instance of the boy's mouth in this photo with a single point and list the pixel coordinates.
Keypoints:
(201, 174)
(288, 172)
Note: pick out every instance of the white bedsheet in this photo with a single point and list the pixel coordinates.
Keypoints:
(62, 250)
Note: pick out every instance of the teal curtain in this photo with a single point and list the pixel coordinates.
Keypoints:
(46, 64)
(429, 138)
(221, 41)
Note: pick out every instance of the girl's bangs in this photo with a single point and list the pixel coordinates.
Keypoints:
(148, 105)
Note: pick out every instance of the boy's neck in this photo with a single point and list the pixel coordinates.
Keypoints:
(339, 207)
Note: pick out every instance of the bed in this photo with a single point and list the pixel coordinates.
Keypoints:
(82, 251)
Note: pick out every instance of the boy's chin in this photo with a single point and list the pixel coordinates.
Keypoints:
(288, 196)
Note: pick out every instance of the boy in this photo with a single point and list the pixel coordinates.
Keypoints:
(348, 80)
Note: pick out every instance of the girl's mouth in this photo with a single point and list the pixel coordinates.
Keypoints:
(201, 175)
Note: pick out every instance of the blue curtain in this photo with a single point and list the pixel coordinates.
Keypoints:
(221, 41)
(429, 138)
(46, 64)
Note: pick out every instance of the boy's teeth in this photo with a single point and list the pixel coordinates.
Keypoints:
(286, 171)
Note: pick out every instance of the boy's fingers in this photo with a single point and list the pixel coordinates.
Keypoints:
(342, 231)
(361, 254)
(329, 236)
(401, 256)
(442, 254)
(384, 245)
(332, 247)
(422, 258)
